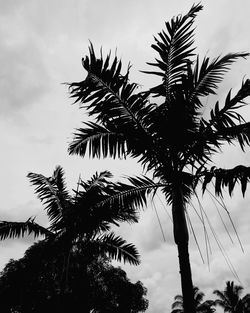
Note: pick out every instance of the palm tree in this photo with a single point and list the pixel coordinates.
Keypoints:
(171, 138)
(230, 299)
(200, 305)
(82, 220)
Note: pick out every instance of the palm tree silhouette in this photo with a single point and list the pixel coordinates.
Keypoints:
(82, 220)
(170, 138)
(200, 305)
(230, 299)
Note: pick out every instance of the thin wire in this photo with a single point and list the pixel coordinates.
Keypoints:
(159, 221)
(195, 238)
(221, 218)
(222, 203)
(226, 257)
(78, 184)
(234, 228)
(205, 231)
(209, 244)
(164, 207)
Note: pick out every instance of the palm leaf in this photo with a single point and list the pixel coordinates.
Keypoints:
(103, 202)
(108, 93)
(21, 229)
(52, 192)
(241, 133)
(227, 178)
(111, 99)
(99, 140)
(209, 74)
(129, 197)
(225, 125)
(174, 47)
(118, 249)
(98, 180)
(228, 115)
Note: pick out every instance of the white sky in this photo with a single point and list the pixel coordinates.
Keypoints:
(41, 46)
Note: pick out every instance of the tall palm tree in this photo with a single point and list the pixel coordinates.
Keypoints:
(200, 305)
(170, 138)
(230, 299)
(81, 220)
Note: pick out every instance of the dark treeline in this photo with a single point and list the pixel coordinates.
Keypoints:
(42, 281)
(230, 300)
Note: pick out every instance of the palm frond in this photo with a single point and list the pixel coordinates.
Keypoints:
(229, 298)
(103, 202)
(118, 249)
(227, 178)
(52, 192)
(231, 105)
(127, 198)
(99, 180)
(99, 141)
(224, 125)
(21, 229)
(207, 76)
(108, 95)
(175, 48)
(241, 133)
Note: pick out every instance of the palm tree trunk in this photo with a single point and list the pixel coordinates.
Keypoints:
(181, 240)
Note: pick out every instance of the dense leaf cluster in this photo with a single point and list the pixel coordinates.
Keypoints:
(34, 284)
(85, 217)
(230, 300)
(171, 137)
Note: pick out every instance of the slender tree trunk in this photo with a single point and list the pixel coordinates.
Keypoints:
(181, 240)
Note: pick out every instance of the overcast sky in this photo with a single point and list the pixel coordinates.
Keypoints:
(41, 46)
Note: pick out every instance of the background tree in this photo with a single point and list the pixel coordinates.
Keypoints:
(200, 305)
(171, 138)
(81, 221)
(230, 299)
(32, 284)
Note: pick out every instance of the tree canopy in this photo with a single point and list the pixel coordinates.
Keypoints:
(70, 264)
(33, 284)
(231, 300)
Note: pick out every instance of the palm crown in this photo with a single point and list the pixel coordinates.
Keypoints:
(200, 305)
(83, 219)
(230, 299)
(170, 137)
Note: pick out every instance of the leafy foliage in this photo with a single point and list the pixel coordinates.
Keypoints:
(32, 284)
(200, 305)
(230, 299)
(20, 229)
(85, 217)
(228, 178)
(174, 47)
(171, 138)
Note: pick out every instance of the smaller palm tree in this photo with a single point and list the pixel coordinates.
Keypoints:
(200, 305)
(84, 219)
(230, 299)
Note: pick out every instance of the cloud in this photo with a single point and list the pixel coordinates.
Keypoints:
(24, 76)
